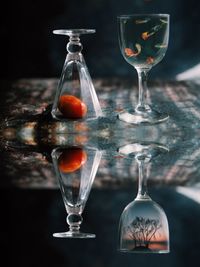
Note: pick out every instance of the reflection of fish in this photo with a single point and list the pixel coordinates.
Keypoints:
(141, 21)
(160, 46)
(131, 53)
(125, 21)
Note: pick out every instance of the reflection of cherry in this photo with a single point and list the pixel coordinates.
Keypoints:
(71, 159)
(72, 107)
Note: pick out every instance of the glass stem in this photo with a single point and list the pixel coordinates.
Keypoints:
(74, 221)
(142, 181)
(142, 105)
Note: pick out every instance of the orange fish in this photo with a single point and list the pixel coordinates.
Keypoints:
(131, 53)
(150, 60)
(146, 35)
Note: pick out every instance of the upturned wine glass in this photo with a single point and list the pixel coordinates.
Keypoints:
(75, 169)
(143, 40)
(75, 98)
(143, 226)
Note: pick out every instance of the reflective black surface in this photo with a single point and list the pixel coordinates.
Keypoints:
(31, 204)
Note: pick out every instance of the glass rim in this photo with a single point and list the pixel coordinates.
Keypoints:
(143, 15)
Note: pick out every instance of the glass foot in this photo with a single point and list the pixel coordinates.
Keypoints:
(74, 235)
(149, 117)
(143, 151)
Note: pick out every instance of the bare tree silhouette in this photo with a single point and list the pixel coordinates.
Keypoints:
(142, 230)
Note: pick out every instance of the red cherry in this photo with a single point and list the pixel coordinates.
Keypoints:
(72, 107)
(71, 160)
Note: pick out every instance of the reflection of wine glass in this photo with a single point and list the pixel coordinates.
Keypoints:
(143, 224)
(143, 42)
(75, 97)
(75, 169)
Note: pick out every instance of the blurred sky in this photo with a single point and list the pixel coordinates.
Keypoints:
(29, 49)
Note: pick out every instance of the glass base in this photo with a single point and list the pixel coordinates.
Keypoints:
(61, 118)
(74, 235)
(144, 150)
(149, 117)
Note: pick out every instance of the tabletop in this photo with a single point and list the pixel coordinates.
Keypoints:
(29, 132)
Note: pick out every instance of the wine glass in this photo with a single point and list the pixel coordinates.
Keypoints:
(75, 169)
(143, 42)
(143, 226)
(75, 98)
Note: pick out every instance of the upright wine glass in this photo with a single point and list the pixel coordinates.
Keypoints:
(75, 98)
(75, 169)
(143, 42)
(143, 226)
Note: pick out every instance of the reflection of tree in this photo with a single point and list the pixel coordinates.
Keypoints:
(142, 230)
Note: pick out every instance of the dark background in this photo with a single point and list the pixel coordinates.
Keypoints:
(29, 49)
(34, 215)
